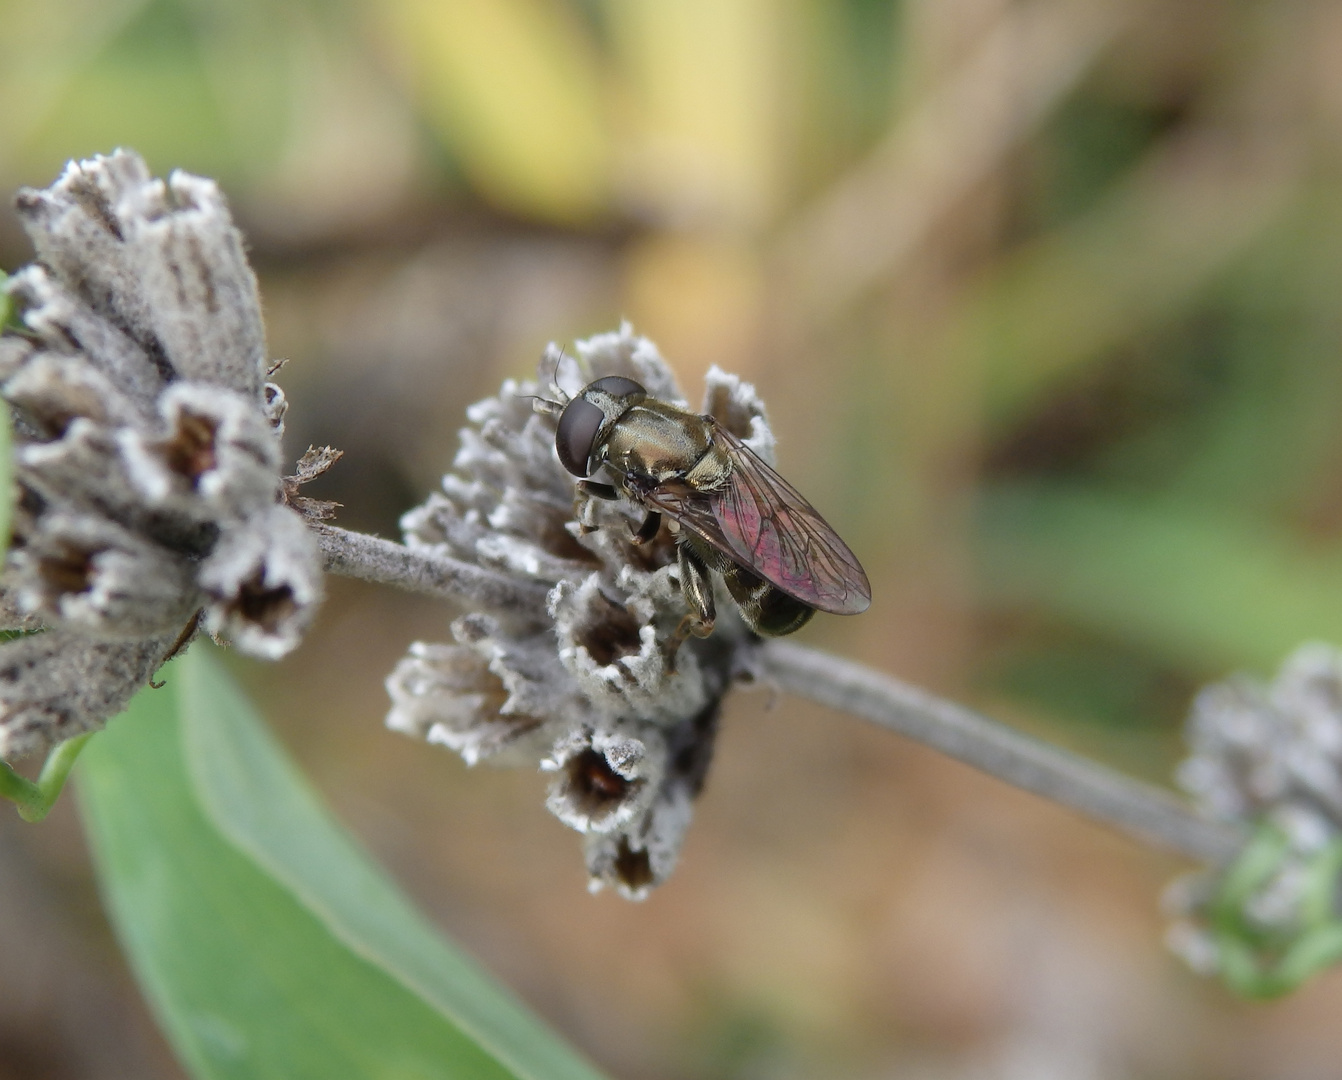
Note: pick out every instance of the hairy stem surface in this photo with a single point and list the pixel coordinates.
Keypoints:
(1142, 810)
(385, 562)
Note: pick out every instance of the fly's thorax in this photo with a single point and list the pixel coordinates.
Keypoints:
(657, 441)
(711, 471)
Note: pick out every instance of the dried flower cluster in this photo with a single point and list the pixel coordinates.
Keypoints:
(147, 452)
(581, 684)
(1266, 754)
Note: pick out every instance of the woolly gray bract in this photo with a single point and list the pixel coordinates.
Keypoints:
(147, 457)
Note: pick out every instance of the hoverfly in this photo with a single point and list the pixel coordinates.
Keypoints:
(779, 559)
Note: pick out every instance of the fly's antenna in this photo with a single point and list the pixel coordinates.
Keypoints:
(554, 375)
(543, 405)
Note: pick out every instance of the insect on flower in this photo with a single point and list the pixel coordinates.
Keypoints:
(779, 559)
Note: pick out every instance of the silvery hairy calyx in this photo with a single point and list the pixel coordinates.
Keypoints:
(1266, 754)
(149, 496)
(625, 724)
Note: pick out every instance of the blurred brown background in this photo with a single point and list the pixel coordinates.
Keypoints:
(1044, 297)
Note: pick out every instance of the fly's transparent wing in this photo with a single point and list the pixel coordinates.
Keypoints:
(775, 532)
(765, 524)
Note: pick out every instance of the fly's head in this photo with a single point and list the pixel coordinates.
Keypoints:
(588, 419)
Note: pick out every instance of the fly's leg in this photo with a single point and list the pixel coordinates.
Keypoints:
(697, 589)
(652, 524)
(598, 491)
(588, 492)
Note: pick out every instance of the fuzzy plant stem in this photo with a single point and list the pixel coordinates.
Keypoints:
(385, 562)
(1146, 812)
(35, 800)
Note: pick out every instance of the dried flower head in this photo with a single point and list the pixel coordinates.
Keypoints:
(581, 684)
(147, 454)
(1266, 755)
(1274, 750)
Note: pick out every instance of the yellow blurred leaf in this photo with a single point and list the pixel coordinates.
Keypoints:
(514, 87)
(42, 48)
(705, 80)
(350, 149)
(700, 296)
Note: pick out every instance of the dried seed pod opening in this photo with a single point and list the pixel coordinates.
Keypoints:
(604, 779)
(65, 569)
(189, 451)
(263, 583)
(87, 573)
(610, 633)
(631, 871)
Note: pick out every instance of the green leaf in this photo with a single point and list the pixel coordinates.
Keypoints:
(6, 304)
(269, 945)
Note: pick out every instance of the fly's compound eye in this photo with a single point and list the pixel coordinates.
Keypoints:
(616, 386)
(578, 425)
(581, 420)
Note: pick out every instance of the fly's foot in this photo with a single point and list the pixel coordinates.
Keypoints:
(584, 506)
(648, 531)
(690, 625)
